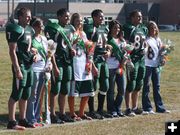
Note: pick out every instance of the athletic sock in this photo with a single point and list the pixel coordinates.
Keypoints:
(91, 104)
(101, 99)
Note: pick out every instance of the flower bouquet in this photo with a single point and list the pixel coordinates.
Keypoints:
(48, 67)
(126, 60)
(128, 48)
(164, 51)
(90, 52)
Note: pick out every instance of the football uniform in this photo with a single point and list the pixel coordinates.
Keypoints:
(63, 58)
(99, 37)
(136, 35)
(22, 36)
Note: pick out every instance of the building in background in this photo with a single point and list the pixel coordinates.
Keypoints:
(161, 11)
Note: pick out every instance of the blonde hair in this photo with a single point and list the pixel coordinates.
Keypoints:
(73, 17)
(152, 23)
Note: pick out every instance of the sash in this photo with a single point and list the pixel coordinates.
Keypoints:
(62, 32)
(116, 50)
(39, 46)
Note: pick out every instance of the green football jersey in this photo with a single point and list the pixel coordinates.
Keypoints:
(57, 33)
(135, 35)
(99, 36)
(23, 38)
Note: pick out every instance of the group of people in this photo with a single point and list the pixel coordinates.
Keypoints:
(87, 57)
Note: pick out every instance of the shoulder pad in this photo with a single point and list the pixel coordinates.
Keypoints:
(145, 29)
(88, 24)
(88, 28)
(128, 26)
(13, 32)
(69, 28)
(14, 28)
(52, 21)
(52, 25)
(88, 21)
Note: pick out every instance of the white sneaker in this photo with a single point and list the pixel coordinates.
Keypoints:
(114, 114)
(167, 111)
(151, 112)
(145, 113)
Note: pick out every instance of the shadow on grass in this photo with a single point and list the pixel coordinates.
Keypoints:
(3, 120)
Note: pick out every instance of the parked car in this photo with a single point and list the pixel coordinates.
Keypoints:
(163, 27)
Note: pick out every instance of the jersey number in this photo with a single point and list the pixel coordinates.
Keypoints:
(150, 53)
(138, 40)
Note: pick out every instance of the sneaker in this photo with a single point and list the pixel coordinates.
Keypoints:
(151, 112)
(115, 115)
(66, 118)
(137, 111)
(167, 111)
(120, 114)
(130, 113)
(145, 112)
(105, 114)
(13, 125)
(85, 117)
(55, 120)
(95, 115)
(47, 122)
(26, 124)
(164, 111)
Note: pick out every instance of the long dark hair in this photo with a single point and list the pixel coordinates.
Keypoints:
(111, 25)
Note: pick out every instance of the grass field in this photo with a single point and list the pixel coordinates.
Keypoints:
(139, 125)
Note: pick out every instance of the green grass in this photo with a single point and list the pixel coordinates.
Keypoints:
(140, 125)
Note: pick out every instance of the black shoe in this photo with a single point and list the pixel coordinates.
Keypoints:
(164, 111)
(13, 125)
(66, 118)
(130, 113)
(26, 124)
(55, 120)
(137, 111)
(95, 115)
(105, 114)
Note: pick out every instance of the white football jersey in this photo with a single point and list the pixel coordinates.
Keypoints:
(79, 62)
(152, 51)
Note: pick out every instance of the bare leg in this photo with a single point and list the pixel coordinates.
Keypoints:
(22, 108)
(62, 101)
(127, 99)
(52, 104)
(83, 103)
(135, 96)
(12, 109)
(71, 100)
